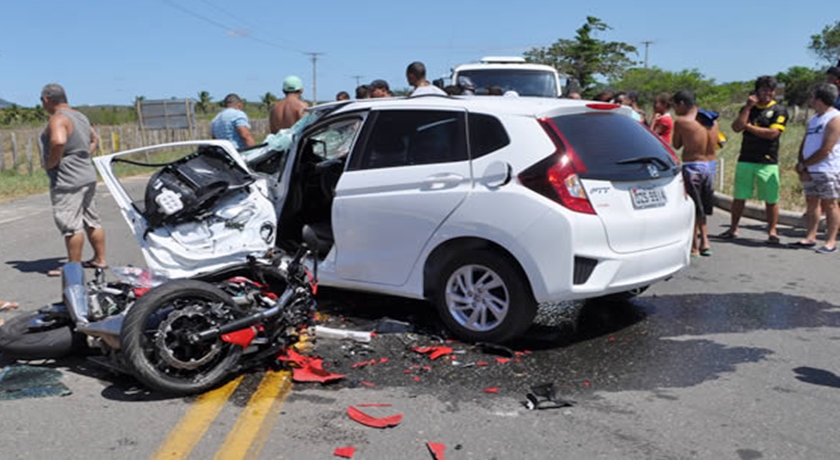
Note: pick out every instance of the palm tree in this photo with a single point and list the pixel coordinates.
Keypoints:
(204, 102)
(268, 100)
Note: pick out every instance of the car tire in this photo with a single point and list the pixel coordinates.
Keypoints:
(18, 341)
(475, 312)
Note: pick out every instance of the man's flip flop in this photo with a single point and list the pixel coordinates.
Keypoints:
(773, 240)
(800, 244)
(92, 264)
(706, 252)
(4, 305)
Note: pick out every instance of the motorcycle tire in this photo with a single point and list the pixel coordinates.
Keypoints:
(145, 359)
(18, 341)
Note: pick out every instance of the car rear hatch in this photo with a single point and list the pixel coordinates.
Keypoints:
(631, 178)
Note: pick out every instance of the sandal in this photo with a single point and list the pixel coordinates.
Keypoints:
(727, 235)
(803, 244)
(706, 252)
(773, 240)
(91, 264)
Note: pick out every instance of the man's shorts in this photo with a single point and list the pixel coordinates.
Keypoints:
(699, 177)
(823, 185)
(750, 175)
(75, 210)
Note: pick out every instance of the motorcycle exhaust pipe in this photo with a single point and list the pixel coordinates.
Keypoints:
(242, 323)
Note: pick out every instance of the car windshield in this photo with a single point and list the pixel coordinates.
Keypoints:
(280, 142)
(537, 83)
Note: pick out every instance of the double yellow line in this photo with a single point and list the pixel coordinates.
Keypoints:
(251, 430)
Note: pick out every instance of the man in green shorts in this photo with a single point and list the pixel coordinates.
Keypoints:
(762, 120)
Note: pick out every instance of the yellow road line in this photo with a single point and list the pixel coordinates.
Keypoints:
(254, 424)
(192, 426)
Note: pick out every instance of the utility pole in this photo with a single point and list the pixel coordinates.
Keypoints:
(358, 78)
(647, 44)
(314, 56)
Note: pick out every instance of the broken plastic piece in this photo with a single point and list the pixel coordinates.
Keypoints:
(345, 452)
(502, 360)
(494, 349)
(392, 326)
(373, 422)
(309, 369)
(436, 449)
(493, 390)
(333, 333)
(383, 360)
(364, 363)
(543, 397)
(433, 352)
(367, 384)
(481, 364)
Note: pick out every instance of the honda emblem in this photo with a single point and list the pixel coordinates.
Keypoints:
(653, 170)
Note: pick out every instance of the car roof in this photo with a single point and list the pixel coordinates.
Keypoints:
(504, 65)
(500, 105)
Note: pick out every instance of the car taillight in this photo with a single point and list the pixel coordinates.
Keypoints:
(556, 177)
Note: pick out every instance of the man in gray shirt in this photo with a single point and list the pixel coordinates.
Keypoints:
(68, 141)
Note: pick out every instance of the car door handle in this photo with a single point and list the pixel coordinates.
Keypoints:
(443, 180)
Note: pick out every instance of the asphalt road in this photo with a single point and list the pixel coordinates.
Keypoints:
(736, 357)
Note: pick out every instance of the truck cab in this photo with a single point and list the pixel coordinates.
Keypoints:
(501, 74)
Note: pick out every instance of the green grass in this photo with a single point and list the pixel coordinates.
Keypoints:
(791, 197)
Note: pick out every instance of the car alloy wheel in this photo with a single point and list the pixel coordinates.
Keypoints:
(477, 298)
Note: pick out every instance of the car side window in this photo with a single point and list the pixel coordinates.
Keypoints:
(486, 135)
(414, 137)
(335, 140)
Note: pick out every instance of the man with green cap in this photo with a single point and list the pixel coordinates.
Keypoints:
(287, 111)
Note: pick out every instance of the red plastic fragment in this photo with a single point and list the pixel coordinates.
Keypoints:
(586, 383)
(436, 449)
(364, 363)
(345, 452)
(611, 339)
(433, 352)
(527, 352)
(373, 422)
(309, 369)
(407, 371)
(416, 378)
(242, 337)
(502, 360)
(368, 384)
(493, 390)
(383, 360)
(481, 364)
(518, 353)
(427, 368)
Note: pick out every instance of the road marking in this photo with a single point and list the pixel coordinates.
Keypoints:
(254, 424)
(192, 426)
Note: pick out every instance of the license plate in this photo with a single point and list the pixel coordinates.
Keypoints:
(644, 198)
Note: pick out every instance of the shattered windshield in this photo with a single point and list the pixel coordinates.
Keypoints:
(278, 144)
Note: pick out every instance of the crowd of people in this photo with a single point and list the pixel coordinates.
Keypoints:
(69, 139)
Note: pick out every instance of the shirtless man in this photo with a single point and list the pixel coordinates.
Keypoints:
(698, 143)
(287, 111)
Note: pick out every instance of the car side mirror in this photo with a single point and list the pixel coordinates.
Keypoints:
(497, 174)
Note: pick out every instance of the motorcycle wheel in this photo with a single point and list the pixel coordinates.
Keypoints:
(19, 341)
(153, 338)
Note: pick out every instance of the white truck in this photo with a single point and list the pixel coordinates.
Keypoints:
(500, 74)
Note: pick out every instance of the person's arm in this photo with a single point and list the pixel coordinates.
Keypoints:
(676, 138)
(94, 140)
(832, 136)
(245, 134)
(58, 139)
(744, 115)
(763, 133)
(800, 163)
(274, 119)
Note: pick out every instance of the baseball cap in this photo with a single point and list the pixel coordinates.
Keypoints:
(292, 84)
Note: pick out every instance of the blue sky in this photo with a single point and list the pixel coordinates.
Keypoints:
(108, 52)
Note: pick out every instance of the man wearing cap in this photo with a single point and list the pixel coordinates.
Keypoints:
(379, 88)
(287, 111)
(416, 76)
(232, 123)
(68, 141)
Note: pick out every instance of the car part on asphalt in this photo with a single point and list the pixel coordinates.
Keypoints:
(373, 422)
(323, 332)
(436, 449)
(543, 397)
(344, 452)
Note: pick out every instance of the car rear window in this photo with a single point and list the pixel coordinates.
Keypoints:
(613, 146)
(486, 134)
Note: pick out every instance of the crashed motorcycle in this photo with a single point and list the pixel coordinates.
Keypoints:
(182, 336)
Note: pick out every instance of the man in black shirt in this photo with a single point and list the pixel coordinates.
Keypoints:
(762, 120)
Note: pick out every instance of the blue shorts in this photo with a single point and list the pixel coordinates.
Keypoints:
(699, 177)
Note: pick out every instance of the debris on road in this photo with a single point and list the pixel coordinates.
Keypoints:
(324, 332)
(543, 396)
(22, 382)
(373, 422)
(436, 449)
(434, 352)
(345, 452)
(492, 390)
(392, 326)
(309, 369)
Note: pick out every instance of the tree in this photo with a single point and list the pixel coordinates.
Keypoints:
(585, 56)
(268, 100)
(799, 81)
(652, 81)
(826, 44)
(204, 102)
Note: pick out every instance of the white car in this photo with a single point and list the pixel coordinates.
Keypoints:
(509, 74)
(487, 207)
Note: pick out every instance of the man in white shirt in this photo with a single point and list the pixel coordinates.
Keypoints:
(819, 168)
(416, 76)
